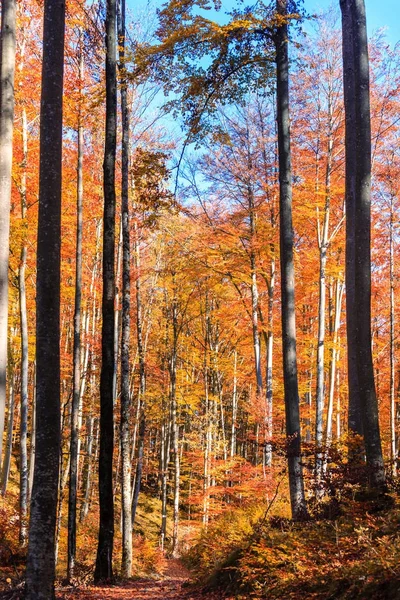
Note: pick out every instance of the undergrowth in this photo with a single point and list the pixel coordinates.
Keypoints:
(355, 555)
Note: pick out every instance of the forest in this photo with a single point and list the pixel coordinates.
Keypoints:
(199, 324)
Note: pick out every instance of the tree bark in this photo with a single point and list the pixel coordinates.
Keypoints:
(24, 474)
(103, 568)
(142, 383)
(126, 564)
(362, 268)
(7, 70)
(296, 485)
(87, 476)
(5, 472)
(332, 373)
(354, 413)
(32, 450)
(76, 377)
(40, 571)
(393, 436)
(174, 426)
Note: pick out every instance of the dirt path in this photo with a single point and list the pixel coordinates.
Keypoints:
(172, 586)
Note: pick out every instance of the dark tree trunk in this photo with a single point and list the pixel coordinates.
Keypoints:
(103, 568)
(354, 414)
(362, 315)
(40, 570)
(296, 485)
(126, 564)
(76, 378)
(362, 234)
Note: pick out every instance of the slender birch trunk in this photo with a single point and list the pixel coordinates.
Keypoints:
(142, 382)
(63, 479)
(87, 475)
(76, 376)
(117, 321)
(164, 460)
(174, 427)
(323, 245)
(32, 449)
(5, 473)
(234, 406)
(332, 372)
(393, 436)
(24, 474)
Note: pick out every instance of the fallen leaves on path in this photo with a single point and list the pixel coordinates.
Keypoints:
(174, 585)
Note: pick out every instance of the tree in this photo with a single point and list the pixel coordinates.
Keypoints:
(7, 70)
(356, 58)
(126, 565)
(104, 568)
(354, 413)
(296, 484)
(76, 377)
(40, 572)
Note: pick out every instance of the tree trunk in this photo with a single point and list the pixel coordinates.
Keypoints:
(24, 475)
(296, 485)
(362, 314)
(234, 406)
(126, 564)
(5, 473)
(116, 314)
(175, 427)
(142, 384)
(332, 373)
(87, 477)
(103, 568)
(164, 460)
(393, 438)
(32, 450)
(76, 377)
(354, 413)
(40, 571)
(63, 480)
(323, 245)
(7, 69)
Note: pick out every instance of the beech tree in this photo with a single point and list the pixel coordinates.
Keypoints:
(76, 392)
(7, 69)
(40, 571)
(297, 497)
(357, 104)
(241, 56)
(104, 567)
(355, 411)
(126, 302)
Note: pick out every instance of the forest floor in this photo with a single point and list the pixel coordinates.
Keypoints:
(174, 584)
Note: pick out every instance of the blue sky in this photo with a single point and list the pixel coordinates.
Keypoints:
(380, 13)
